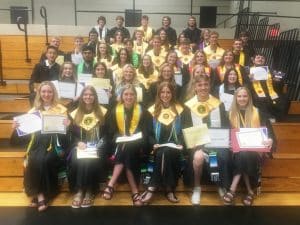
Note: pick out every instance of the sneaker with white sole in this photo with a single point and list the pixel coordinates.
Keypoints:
(196, 196)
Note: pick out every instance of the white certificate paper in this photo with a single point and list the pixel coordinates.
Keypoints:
(139, 92)
(29, 123)
(53, 124)
(251, 137)
(259, 73)
(219, 138)
(133, 137)
(178, 78)
(103, 97)
(66, 90)
(87, 153)
(84, 77)
(170, 145)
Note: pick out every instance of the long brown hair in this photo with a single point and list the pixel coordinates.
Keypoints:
(158, 103)
(38, 101)
(82, 106)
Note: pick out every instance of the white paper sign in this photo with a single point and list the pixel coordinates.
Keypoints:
(259, 73)
(28, 123)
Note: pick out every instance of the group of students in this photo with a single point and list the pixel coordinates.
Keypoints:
(156, 95)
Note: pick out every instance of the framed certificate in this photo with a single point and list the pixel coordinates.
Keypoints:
(53, 124)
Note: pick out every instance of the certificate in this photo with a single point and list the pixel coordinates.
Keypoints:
(84, 77)
(139, 92)
(29, 123)
(133, 137)
(79, 88)
(219, 138)
(170, 145)
(195, 136)
(103, 97)
(249, 139)
(53, 124)
(90, 152)
(259, 73)
(178, 78)
(67, 89)
(100, 83)
(227, 100)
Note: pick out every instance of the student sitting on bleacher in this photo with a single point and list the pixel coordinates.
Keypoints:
(55, 42)
(246, 164)
(45, 152)
(46, 70)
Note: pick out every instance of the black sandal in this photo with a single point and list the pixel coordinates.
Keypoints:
(34, 202)
(147, 196)
(108, 192)
(172, 197)
(136, 199)
(228, 198)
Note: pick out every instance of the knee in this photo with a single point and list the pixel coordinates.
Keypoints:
(199, 158)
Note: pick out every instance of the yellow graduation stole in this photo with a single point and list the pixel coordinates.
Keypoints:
(185, 59)
(89, 121)
(254, 123)
(222, 71)
(242, 58)
(140, 49)
(147, 81)
(120, 116)
(260, 91)
(202, 109)
(166, 116)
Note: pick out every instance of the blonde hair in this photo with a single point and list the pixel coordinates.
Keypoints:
(38, 101)
(234, 112)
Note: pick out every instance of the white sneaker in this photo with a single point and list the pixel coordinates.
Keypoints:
(221, 192)
(196, 196)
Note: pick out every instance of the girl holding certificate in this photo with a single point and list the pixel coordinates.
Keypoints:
(206, 109)
(68, 72)
(127, 133)
(45, 151)
(246, 163)
(88, 137)
(168, 120)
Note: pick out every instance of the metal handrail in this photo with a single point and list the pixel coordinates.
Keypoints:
(2, 82)
(20, 21)
(43, 13)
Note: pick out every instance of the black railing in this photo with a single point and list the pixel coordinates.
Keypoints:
(20, 21)
(2, 82)
(43, 13)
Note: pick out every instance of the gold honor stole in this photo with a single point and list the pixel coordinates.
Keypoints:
(140, 49)
(202, 109)
(254, 123)
(166, 116)
(89, 121)
(120, 115)
(260, 91)
(147, 81)
(222, 71)
(157, 60)
(242, 58)
(185, 59)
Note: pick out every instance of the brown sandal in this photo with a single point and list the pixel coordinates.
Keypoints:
(34, 202)
(77, 201)
(147, 196)
(108, 193)
(136, 199)
(228, 198)
(248, 199)
(88, 200)
(42, 205)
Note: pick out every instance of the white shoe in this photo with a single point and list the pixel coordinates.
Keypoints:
(221, 192)
(196, 196)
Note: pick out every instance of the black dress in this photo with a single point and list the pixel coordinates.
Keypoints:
(45, 156)
(86, 173)
(167, 161)
(130, 153)
(247, 162)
